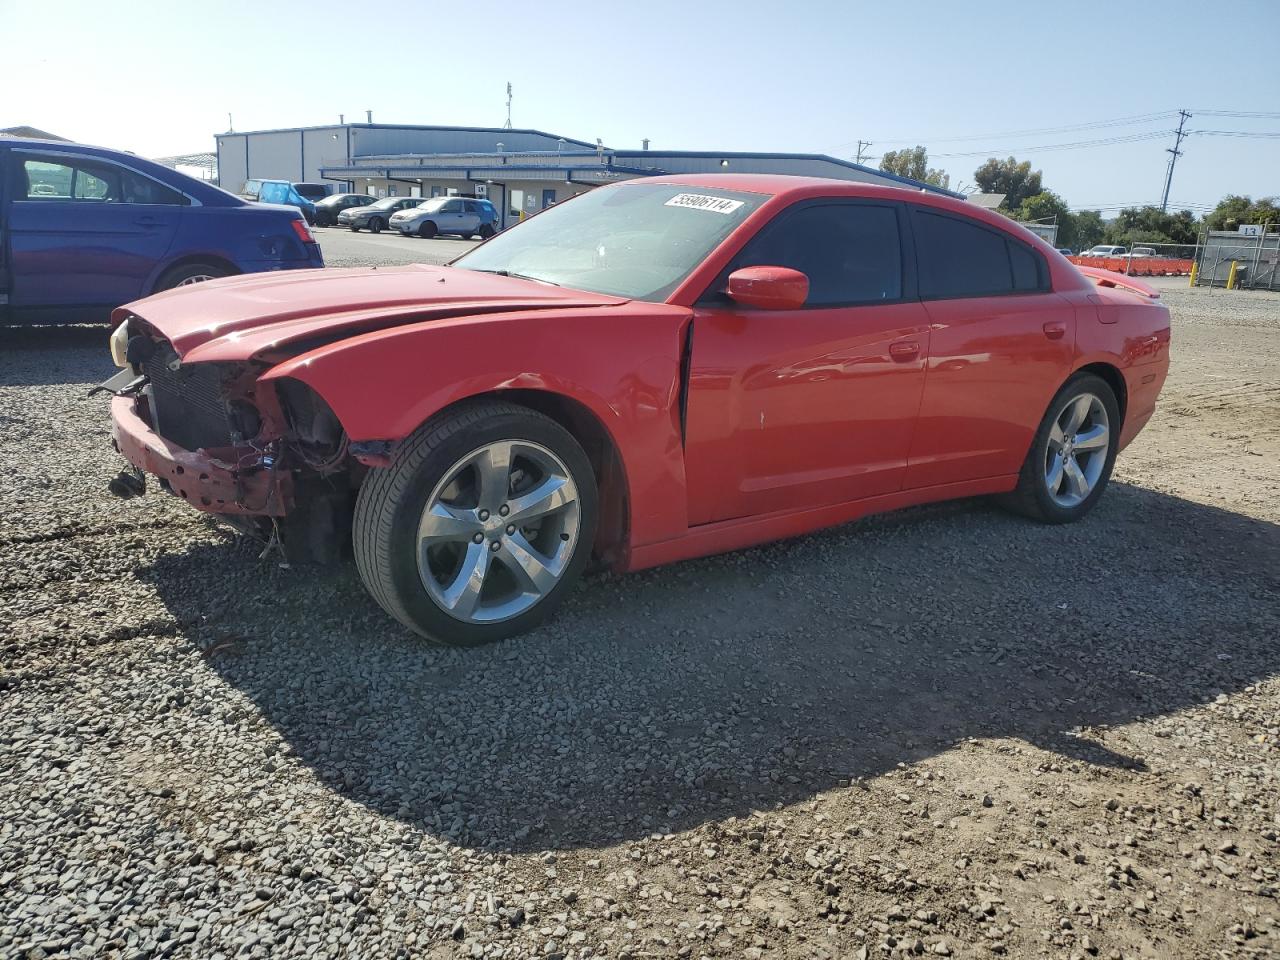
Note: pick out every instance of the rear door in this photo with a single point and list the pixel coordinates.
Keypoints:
(1002, 344)
(85, 233)
(470, 216)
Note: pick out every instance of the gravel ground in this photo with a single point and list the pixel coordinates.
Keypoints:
(945, 731)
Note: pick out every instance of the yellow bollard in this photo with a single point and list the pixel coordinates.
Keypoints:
(1231, 277)
(1195, 267)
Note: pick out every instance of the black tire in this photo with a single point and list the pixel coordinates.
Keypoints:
(354, 228)
(376, 225)
(427, 230)
(1031, 497)
(486, 232)
(391, 502)
(466, 236)
(189, 273)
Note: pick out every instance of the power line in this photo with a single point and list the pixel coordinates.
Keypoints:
(1070, 128)
(1074, 145)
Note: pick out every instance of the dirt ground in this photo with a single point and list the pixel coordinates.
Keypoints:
(946, 731)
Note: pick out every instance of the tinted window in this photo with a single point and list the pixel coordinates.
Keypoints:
(453, 206)
(1026, 267)
(83, 179)
(959, 258)
(850, 252)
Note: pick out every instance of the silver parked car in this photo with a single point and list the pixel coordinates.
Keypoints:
(461, 216)
(374, 217)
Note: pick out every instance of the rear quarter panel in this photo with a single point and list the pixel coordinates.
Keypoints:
(1131, 332)
(622, 363)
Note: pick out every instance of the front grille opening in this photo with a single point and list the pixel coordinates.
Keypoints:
(187, 405)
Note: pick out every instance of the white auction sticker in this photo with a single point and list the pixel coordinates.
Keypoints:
(698, 201)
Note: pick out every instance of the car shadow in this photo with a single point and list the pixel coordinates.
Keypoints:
(54, 355)
(662, 700)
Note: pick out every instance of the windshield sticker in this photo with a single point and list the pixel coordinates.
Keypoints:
(698, 201)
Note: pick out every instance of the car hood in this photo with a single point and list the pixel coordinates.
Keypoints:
(274, 315)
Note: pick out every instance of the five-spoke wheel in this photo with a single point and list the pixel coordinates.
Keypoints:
(485, 517)
(1072, 453)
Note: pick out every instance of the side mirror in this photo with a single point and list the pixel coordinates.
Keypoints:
(769, 288)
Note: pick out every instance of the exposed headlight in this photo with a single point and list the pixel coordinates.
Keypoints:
(119, 342)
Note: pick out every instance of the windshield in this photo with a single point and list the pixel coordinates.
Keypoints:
(636, 240)
(385, 204)
(432, 205)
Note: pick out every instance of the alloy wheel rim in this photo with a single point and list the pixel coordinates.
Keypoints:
(498, 531)
(1076, 453)
(198, 278)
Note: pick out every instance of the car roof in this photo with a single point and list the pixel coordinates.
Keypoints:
(207, 193)
(791, 188)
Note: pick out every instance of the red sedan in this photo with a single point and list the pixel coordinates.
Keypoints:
(655, 370)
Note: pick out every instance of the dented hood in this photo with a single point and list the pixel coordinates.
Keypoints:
(276, 314)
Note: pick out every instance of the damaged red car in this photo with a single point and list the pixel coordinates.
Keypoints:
(655, 370)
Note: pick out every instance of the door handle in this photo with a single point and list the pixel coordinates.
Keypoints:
(147, 222)
(1055, 329)
(903, 350)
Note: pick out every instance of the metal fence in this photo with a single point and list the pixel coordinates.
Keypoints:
(1239, 261)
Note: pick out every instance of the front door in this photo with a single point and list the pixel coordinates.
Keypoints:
(84, 232)
(789, 409)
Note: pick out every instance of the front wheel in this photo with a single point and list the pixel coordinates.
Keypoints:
(354, 228)
(1072, 454)
(427, 230)
(479, 527)
(375, 225)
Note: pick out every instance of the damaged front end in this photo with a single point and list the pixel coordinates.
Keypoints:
(270, 458)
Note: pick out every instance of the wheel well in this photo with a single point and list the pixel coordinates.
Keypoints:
(613, 528)
(211, 259)
(1115, 380)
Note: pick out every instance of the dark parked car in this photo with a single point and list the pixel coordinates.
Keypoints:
(281, 192)
(315, 192)
(375, 216)
(327, 210)
(84, 229)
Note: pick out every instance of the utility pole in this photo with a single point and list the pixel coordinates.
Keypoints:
(1174, 154)
(862, 146)
(507, 126)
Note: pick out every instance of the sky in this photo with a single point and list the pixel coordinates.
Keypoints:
(806, 76)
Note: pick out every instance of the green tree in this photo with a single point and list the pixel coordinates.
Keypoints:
(1232, 211)
(914, 163)
(1152, 225)
(1089, 229)
(1044, 207)
(1017, 181)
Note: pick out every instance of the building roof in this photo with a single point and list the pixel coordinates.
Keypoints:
(31, 133)
(409, 126)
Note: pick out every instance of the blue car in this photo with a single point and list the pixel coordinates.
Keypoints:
(84, 230)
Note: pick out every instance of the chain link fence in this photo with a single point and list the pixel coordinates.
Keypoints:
(1239, 260)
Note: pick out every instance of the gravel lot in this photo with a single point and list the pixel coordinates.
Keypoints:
(945, 731)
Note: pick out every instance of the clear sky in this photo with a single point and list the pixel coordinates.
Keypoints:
(803, 75)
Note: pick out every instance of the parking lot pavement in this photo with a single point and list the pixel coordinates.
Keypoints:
(945, 731)
(342, 248)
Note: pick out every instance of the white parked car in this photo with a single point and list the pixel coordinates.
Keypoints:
(1105, 250)
(1143, 252)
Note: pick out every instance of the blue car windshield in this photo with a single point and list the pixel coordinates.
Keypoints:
(636, 240)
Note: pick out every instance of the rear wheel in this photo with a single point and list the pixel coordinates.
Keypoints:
(189, 273)
(1072, 454)
(375, 225)
(480, 526)
(427, 230)
(486, 232)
